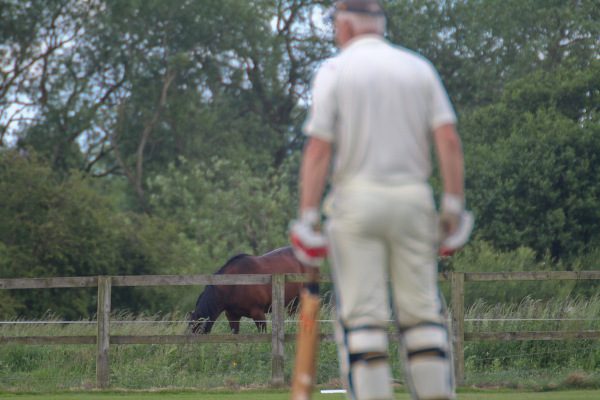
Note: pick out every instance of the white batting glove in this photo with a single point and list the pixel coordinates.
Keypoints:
(309, 244)
(456, 224)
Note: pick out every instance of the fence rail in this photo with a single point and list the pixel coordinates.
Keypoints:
(103, 339)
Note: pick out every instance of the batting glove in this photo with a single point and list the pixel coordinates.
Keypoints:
(308, 243)
(456, 225)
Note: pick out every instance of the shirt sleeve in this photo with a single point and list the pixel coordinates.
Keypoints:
(442, 111)
(322, 114)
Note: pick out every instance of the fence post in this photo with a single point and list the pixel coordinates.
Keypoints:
(103, 338)
(457, 280)
(277, 330)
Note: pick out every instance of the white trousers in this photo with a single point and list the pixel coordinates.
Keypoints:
(379, 233)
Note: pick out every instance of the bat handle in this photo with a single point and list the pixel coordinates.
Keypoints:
(313, 284)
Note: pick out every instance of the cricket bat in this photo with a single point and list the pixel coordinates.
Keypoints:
(307, 341)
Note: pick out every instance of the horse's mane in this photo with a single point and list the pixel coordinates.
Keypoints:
(229, 262)
(207, 306)
(209, 303)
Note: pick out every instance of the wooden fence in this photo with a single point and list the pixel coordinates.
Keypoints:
(103, 339)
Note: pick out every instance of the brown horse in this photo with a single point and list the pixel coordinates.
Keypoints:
(251, 301)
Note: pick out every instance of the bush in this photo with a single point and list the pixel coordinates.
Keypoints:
(225, 207)
(481, 256)
(62, 226)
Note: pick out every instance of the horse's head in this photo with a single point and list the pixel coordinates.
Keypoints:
(208, 308)
(199, 325)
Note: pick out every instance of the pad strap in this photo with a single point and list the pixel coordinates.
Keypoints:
(372, 356)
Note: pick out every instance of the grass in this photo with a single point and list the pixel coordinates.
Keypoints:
(538, 364)
(532, 365)
(281, 395)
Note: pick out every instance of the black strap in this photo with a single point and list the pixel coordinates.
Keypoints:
(404, 329)
(368, 357)
(431, 351)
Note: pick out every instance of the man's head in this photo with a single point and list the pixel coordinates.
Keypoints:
(357, 17)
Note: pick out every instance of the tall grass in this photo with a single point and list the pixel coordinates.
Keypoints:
(576, 362)
(525, 363)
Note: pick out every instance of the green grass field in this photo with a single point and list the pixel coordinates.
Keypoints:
(283, 395)
(544, 369)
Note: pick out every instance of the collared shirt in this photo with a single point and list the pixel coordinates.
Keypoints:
(378, 104)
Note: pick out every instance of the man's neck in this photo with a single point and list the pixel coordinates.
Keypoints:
(360, 36)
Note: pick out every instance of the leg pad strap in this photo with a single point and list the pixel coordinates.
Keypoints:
(368, 358)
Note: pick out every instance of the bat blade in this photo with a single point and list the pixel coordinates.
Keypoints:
(307, 343)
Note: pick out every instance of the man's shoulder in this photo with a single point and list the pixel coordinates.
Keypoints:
(330, 64)
(414, 60)
(328, 68)
(326, 74)
(411, 54)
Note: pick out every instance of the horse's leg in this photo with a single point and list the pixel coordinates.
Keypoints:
(234, 322)
(235, 326)
(260, 319)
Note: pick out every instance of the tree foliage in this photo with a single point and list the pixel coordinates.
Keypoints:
(226, 208)
(479, 46)
(163, 136)
(143, 82)
(53, 226)
(534, 163)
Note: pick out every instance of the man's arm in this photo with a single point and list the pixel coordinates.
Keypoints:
(451, 162)
(313, 173)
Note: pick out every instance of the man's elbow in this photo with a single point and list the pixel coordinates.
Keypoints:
(317, 149)
(447, 137)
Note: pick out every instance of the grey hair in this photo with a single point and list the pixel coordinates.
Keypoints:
(363, 23)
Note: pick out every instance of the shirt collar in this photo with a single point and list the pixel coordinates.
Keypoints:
(363, 39)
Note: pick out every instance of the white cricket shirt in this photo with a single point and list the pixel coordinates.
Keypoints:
(378, 104)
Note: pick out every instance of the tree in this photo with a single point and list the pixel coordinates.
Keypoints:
(533, 163)
(479, 46)
(523, 76)
(49, 95)
(52, 226)
(211, 78)
(224, 207)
